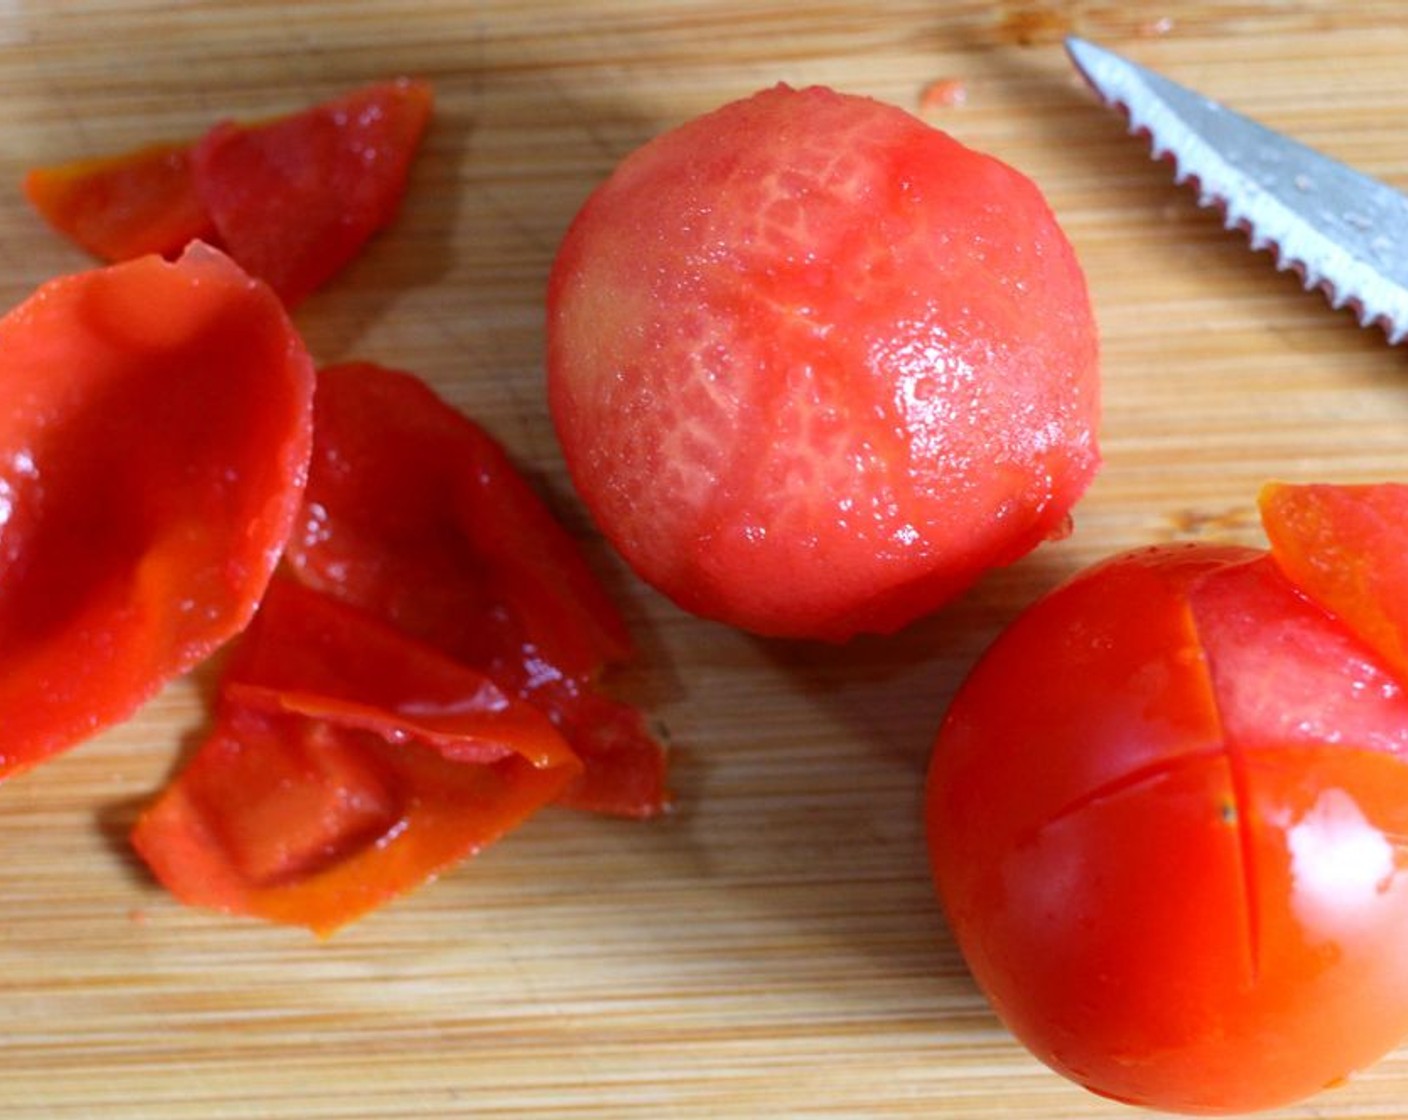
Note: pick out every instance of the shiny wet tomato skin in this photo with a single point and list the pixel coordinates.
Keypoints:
(417, 515)
(816, 365)
(1166, 817)
(155, 432)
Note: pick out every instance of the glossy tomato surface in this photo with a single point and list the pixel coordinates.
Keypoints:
(156, 424)
(816, 365)
(1167, 816)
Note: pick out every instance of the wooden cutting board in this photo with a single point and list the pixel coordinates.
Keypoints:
(773, 948)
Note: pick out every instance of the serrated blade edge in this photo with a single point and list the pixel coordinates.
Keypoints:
(1344, 232)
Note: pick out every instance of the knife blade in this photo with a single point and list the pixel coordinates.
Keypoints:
(1342, 231)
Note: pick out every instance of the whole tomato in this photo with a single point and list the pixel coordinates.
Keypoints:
(815, 365)
(1167, 817)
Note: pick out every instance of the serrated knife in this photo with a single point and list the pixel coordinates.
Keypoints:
(1343, 232)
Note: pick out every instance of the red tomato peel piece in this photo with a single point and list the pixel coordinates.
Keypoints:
(155, 428)
(124, 206)
(414, 512)
(1344, 547)
(292, 199)
(418, 516)
(311, 653)
(392, 816)
(349, 764)
(295, 198)
(279, 797)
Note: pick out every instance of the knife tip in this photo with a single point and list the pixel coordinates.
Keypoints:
(1106, 72)
(1083, 52)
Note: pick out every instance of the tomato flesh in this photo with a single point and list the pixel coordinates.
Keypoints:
(1175, 861)
(815, 365)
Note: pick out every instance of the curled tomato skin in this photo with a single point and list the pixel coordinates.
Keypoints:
(418, 516)
(1166, 818)
(1342, 545)
(815, 366)
(155, 432)
(348, 764)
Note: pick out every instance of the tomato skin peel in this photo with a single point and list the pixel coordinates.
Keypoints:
(421, 678)
(155, 432)
(124, 206)
(348, 764)
(295, 199)
(416, 515)
(1177, 865)
(292, 199)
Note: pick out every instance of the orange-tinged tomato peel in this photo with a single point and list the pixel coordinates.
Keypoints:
(1344, 547)
(349, 764)
(292, 199)
(124, 206)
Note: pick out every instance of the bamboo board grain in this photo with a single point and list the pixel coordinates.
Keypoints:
(773, 948)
